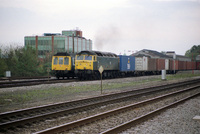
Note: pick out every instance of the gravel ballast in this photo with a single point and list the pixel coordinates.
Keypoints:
(177, 120)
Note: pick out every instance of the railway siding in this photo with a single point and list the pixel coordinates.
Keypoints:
(106, 97)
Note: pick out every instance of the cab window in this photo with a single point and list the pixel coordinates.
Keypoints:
(55, 62)
(66, 61)
(60, 60)
(80, 57)
(88, 57)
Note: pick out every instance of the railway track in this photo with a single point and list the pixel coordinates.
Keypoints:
(20, 78)
(27, 116)
(32, 82)
(92, 122)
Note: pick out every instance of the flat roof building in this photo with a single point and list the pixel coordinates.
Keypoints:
(70, 41)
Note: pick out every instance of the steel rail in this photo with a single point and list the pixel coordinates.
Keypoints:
(144, 117)
(109, 113)
(19, 78)
(31, 82)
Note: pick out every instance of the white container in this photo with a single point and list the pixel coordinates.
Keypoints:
(141, 63)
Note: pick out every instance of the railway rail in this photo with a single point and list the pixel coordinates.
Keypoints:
(71, 126)
(20, 78)
(32, 82)
(20, 117)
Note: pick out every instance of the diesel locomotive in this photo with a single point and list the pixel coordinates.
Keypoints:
(63, 65)
(87, 64)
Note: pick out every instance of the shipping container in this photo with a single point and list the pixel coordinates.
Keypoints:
(198, 65)
(173, 65)
(152, 64)
(160, 64)
(182, 65)
(145, 64)
(141, 63)
(191, 65)
(127, 63)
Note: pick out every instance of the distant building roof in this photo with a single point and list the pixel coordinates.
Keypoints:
(151, 53)
(181, 57)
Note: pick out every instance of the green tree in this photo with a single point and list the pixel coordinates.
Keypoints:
(23, 62)
(3, 65)
(193, 52)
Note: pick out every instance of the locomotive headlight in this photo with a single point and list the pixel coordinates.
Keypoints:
(54, 68)
(66, 68)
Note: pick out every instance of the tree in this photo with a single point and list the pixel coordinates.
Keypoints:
(22, 62)
(3, 65)
(193, 52)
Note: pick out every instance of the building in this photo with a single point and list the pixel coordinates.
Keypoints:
(155, 54)
(50, 43)
(150, 53)
(173, 55)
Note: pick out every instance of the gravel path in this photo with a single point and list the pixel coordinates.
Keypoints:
(177, 120)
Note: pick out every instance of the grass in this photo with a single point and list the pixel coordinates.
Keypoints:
(181, 76)
(55, 94)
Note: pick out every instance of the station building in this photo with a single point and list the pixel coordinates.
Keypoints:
(70, 41)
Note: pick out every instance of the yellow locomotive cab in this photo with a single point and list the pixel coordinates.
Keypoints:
(84, 62)
(61, 63)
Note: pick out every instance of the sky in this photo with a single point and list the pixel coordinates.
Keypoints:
(118, 26)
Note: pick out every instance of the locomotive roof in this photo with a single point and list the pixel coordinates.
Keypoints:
(62, 54)
(98, 53)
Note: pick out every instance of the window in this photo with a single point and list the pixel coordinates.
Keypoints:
(80, 57)
(66, 61)
(55, 62)
(60, 60)
(88, 57)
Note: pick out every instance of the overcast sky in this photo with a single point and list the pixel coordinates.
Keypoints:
(112, 25)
